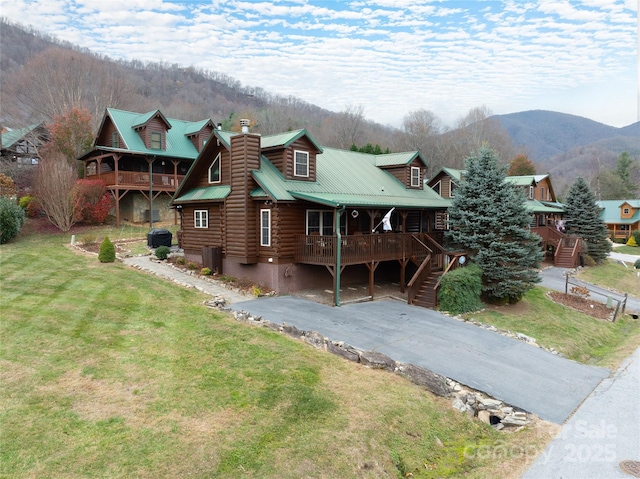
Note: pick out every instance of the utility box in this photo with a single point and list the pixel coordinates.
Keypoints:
(159, 237)
(212, 258)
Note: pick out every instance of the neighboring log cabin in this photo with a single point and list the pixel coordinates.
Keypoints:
(622, 217)
(292, 215)
(546, 213)
(142, 158)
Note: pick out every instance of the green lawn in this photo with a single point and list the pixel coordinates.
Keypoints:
(611, 274)
(110, 372)
(634, 250)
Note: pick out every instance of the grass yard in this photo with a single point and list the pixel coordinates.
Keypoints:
(574, 334)
(624, 249)
(109, 372)
(611, 274)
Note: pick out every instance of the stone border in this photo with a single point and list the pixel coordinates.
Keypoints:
(475, 404)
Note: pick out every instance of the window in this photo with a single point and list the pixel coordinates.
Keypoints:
(320, 221)
(531, 192)
(115, 141)
(301, 163)
(542, 193)
(201, 219)
(442, 220)
(265, 227)
(436, 187)
(415, 177)
(214, 170)
(625, 211)
(156, 140)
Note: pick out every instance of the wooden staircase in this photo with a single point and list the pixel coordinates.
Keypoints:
(565, 258)
(426, 295)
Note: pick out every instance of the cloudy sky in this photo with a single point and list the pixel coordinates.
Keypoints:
(389, 56)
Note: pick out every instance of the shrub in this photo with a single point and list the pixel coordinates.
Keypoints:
(191, 265)
(107, 251)
(88, 239)
(636, 265)
(636, 236)
(162, 252)
(632, 241)
(92, 202)
(256, 291)
(181, 261)
(589, 261)
(205, 271)
(7, 186)
(460, 290)
(11, 219)
(31, 206)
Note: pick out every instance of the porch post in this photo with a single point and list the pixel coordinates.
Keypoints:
(338, 255)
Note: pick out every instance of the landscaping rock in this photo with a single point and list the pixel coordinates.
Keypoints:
(315, 339)
(292, 331)
(423, 377)
(341, 350)
(377, 360)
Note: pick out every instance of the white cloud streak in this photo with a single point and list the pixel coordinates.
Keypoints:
(391, 56)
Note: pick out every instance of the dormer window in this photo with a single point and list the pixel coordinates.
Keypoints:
(115, 141)
(214, 170)
(156, 140)
(301, 163)
(415, 177)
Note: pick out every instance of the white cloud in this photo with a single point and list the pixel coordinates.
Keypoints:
(392, 56)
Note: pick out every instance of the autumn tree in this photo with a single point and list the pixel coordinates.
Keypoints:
(70, 134)
(489, 220)
(521, 165)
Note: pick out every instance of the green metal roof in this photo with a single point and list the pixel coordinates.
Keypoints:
(177, 143)
(285, 139)
(398, 159)
(196, 126)
(536, 206)
(205, 193)
(12, 136)
(456, 175)
(527, 180)
(346, 178)
(610, 212)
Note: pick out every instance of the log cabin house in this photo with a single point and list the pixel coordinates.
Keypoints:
(142, 158)
(20, 146)
(292, 215)
(546, 212)
(622, 217)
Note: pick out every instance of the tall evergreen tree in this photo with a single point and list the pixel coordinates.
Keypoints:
(584, 220)
(489, 220)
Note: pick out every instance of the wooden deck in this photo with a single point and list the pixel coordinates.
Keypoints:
(360, 249)
(138, 180)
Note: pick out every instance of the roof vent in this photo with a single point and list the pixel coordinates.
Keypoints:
(219, 126)
(244, 123)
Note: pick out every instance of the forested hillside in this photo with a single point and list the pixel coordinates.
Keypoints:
(41, 77)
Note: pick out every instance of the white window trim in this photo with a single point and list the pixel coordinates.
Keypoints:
(201, 219)
(415, 184)
(531, 192)
(295, 163)
(265, 226)
(217, 159)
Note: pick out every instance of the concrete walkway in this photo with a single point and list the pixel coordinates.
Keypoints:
(163, 270)
(604, 431)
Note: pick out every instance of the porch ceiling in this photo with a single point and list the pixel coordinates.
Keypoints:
(365, 201)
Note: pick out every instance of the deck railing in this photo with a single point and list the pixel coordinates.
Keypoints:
(138, 180)
(361, 248)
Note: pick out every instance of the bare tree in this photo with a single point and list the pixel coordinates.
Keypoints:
(348, 126)
(421, 130)
(55, 181)
(57, 80)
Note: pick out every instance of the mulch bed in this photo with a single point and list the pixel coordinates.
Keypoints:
(584, 305)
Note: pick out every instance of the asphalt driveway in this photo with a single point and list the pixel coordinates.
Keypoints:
(507, 369)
